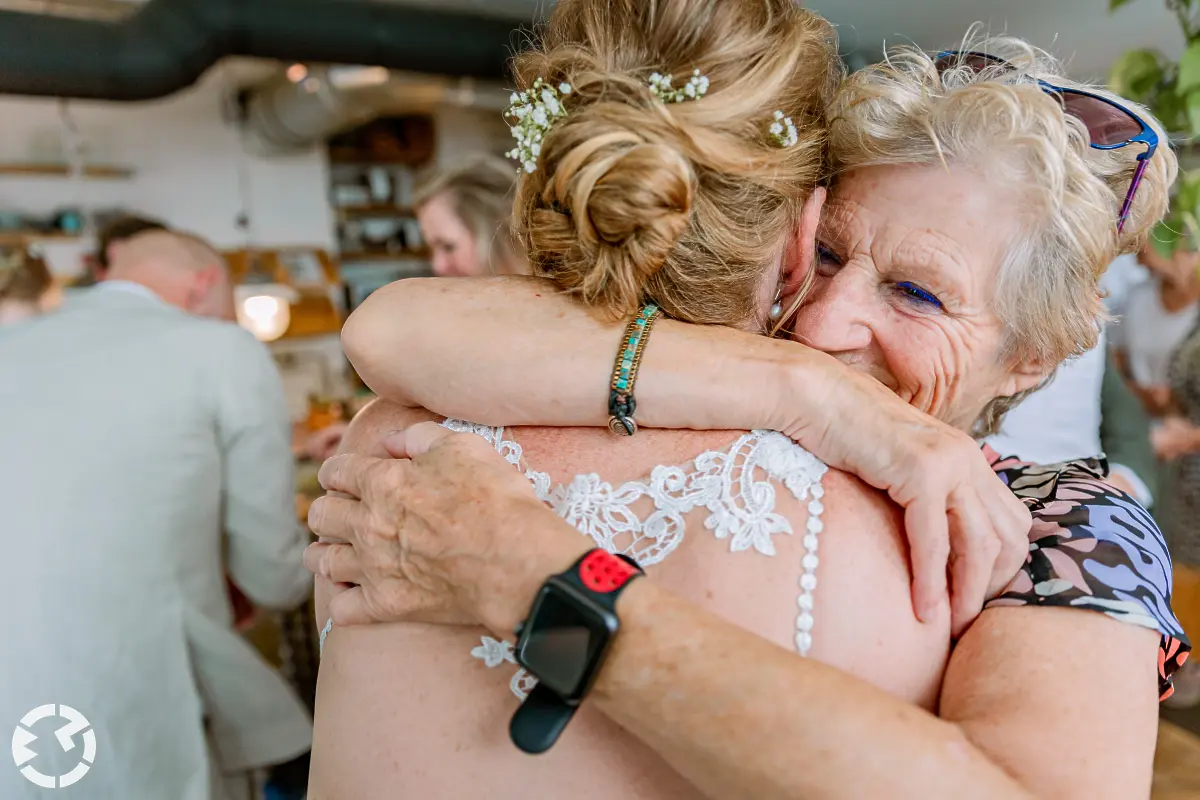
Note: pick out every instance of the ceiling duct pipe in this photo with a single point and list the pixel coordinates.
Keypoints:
(166, 45)
(306, 104)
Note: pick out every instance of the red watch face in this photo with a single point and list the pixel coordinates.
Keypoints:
(603, 572)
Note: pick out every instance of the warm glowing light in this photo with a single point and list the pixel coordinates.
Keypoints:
(297, 73)
(264, 310)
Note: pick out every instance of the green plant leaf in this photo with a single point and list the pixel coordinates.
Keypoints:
(1137, 75)
(1189, 69)
(1165, 237)
(1193, 112)
(1187, 194)
(1113, 5)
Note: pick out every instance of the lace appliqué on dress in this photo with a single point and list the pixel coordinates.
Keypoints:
(735, 485)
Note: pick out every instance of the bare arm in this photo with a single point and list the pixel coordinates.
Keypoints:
(1020, 718)
(511, 351)
(1037, 702)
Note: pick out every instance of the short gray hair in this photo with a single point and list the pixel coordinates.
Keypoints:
(904, 110)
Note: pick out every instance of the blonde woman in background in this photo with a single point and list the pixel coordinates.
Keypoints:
(465, 214)
(26, 287)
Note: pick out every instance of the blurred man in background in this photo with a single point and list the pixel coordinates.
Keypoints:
(146, 450)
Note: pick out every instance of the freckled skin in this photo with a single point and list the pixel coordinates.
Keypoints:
(903, 289)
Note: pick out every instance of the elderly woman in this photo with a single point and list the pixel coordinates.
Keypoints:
(464, 212)
(954, 177)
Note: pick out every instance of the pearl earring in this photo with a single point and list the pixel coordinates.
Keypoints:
(776, 310)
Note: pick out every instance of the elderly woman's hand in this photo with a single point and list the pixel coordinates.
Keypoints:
(417, 534)
(963, 524)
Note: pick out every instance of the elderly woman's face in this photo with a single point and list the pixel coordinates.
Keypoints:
(908, 259)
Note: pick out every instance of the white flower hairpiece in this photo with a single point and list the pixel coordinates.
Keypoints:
(694, 89)
(533, 111)
(783, 131)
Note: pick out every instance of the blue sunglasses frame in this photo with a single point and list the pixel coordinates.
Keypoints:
(948, 59)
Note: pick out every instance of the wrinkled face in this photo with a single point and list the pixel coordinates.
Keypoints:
(455, 252)
(907, 261)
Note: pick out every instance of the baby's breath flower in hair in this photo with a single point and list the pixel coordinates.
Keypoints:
(694, 89)
(783, 131)
(533, 112)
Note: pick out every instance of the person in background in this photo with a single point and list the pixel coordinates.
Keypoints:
(465, 215)
(118, 229)
(1123, 275)
(25, 285)
(1177, 443)
(1125, 437)
(1083, 411)
(146, 453)
(1156, 316)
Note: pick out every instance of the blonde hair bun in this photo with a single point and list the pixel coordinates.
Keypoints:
(632, 195)
(619, 203)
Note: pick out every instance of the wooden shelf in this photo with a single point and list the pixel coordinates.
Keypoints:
(19, 237)
(404, 255)
(346, 157)
(375, 210)
(97, 171)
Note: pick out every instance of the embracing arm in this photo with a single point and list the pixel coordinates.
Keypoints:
(1036, 702)
(512, 351)
(1019, 717)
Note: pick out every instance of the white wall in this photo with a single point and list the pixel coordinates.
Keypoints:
(464, 131)
(188, 163)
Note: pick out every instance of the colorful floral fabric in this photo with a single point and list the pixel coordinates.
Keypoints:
(1093, 547)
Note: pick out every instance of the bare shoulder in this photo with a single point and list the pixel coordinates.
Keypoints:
(853, 505)
(378, 419)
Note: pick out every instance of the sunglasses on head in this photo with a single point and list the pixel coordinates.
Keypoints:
(1109, 124)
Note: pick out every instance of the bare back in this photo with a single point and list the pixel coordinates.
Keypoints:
(413, 710)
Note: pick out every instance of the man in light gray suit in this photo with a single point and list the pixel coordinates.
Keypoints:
(144, 452)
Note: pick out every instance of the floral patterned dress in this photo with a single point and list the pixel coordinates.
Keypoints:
(1093, 547)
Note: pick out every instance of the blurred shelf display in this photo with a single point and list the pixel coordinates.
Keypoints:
(309, 277)
(48, 170)
(399, 255)
(375, 210)
(386, 141)
(372, 173)
(22, 237)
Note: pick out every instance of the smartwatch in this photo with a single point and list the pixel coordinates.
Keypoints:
(563, 643)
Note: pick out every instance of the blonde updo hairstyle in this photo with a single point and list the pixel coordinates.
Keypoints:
(683, 204)
(999, 122)
(479, 190)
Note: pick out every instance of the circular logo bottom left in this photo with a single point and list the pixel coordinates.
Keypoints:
(74, 724)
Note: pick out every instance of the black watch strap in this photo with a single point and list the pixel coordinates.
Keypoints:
(543, 716)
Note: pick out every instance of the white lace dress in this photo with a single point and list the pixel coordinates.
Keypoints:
(735, 485)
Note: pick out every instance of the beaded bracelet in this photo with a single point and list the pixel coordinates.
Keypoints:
(621, 404)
